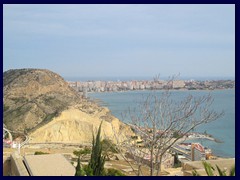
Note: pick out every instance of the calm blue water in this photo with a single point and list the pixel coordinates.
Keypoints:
(222, 129)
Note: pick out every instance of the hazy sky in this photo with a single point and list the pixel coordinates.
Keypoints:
(121, 40)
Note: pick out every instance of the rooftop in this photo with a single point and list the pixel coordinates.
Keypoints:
(48, 165)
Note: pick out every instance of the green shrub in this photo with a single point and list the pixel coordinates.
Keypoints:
(40, 153)
(108, 146)
(209, 169)
(5, 107)
(176, 134)
(79, 170)
(114, 172)
(82, 152)
(134, 137)
(88, 170)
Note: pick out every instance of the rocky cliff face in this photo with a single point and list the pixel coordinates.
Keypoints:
(74, 126)
(41, 103)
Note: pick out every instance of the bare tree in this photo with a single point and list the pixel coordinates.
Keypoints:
(156, 119)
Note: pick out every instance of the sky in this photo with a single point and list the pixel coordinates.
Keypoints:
(106, 40)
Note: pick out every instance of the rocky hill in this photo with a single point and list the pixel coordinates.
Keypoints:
(39, 102)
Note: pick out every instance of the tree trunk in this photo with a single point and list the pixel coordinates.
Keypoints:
(152, 162)
(159, 166)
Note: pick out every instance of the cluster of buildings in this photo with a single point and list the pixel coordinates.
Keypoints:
(184, 152)
(113, 86)
(192, 152)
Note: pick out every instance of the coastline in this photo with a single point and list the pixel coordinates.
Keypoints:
(206, 138)
(152, 85)
(222, 145)
(195, 137)
(174, 90)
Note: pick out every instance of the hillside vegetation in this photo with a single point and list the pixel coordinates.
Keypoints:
(39, 102)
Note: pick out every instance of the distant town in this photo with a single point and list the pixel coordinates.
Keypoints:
(115, 86)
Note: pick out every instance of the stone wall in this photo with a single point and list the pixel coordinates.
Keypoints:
(6, 165)
(17, 166)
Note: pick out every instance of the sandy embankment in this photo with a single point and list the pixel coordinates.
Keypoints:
(75, 126)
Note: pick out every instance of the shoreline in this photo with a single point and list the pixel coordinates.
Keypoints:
(122, 91)
(204, 137)
(214, 143)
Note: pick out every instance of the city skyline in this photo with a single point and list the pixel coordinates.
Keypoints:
(121, 40)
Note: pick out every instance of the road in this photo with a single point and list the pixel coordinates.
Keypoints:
(9, 133)
(11, 137)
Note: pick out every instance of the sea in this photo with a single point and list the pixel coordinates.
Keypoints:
(222, 129)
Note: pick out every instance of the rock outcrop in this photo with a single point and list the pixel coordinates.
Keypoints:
(40, 103)
(74, 126)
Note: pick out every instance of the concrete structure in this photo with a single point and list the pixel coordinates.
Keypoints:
(6, 165)
(180, 150)
(198, 152)
(224, 164)
(16, 166)
(36, 165)
(48, 165)
(192, 151)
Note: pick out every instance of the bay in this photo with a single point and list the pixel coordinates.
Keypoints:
(222, 129)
